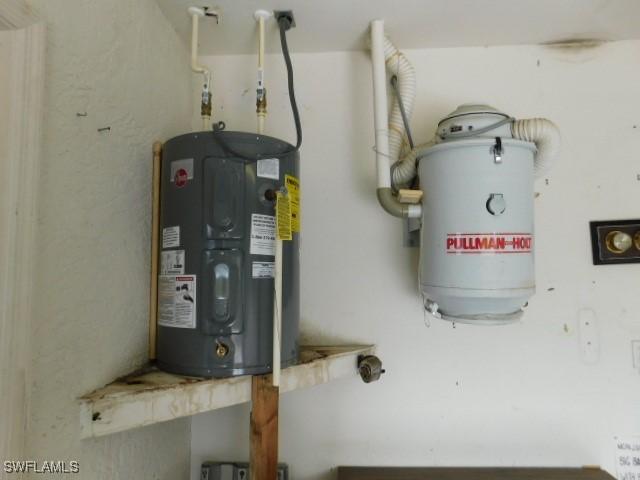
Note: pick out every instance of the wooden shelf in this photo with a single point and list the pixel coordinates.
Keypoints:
(152, 396)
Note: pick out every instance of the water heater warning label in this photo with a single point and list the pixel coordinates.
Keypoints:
(489, 243)
(283, 216)
(263, 269)
(172, 262)
(268, 168)
(171, 237)
(263, 235)
(177, 301)
(293, 187)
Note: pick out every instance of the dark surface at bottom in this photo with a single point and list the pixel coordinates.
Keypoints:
(418, 473)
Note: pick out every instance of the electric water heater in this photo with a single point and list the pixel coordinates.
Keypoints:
(216, 282)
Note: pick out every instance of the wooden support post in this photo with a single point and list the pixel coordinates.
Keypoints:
(264, 428)
(155, 240)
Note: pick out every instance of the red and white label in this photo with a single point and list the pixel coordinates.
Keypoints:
(489, 243)
(181, 178)
(181, 172)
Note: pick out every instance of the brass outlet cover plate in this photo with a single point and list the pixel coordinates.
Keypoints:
(602, 255)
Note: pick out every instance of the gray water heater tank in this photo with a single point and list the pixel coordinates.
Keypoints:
(477, 263)
(215, 287)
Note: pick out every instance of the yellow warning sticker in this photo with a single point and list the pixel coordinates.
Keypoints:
(283, 216)
(293, 187)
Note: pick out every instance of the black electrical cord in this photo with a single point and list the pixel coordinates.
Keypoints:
(285, 24)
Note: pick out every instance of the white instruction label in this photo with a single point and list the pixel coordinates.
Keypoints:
(177, 301)
(268, 168)
(171, 237)
(628, 458)
(172, 262)
(263, 235)
(263, 269)
(182, 167)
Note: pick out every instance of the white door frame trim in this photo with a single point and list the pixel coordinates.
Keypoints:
(19, 161)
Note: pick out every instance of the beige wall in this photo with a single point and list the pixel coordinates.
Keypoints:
(121, 63)
(513, 395)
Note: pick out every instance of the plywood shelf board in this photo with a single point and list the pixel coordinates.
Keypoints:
(151, 396)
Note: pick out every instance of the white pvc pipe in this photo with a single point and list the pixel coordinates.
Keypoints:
(196, 67)
(277, 313)
(196, 14)
(380, 112)
(261, 16)
(260, 43)
(261, 114)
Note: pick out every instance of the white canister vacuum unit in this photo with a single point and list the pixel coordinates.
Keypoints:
(476, 212)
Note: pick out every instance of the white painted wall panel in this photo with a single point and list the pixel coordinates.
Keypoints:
(21, 81)
(513, 395)
(121, 63)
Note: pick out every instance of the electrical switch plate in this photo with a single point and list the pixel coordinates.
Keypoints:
(603, 252)
(235, 471)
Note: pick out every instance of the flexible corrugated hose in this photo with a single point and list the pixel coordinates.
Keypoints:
(546, 137)
(398, 65)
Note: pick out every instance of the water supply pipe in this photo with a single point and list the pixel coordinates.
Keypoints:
(205, 106)
(261, 92)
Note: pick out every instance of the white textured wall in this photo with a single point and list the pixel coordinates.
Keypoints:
(121, 63)
(513, 395)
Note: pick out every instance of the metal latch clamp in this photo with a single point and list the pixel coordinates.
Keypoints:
(497, 150)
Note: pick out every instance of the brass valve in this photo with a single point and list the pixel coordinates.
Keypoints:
(261, 101)
(205, 107)
(222, 350)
